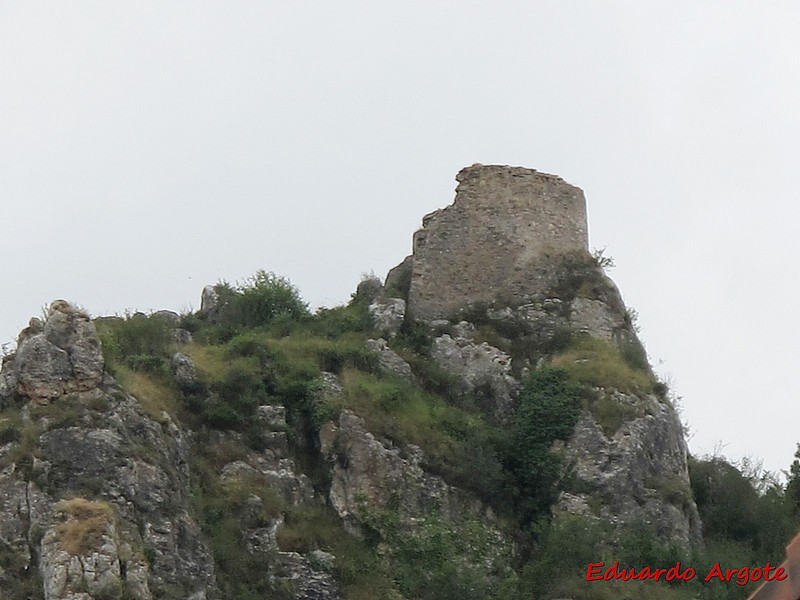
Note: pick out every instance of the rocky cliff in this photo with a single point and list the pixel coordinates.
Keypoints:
(507, 267)
(392, 448)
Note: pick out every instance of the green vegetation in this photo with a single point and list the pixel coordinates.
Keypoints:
(611, 410)
(220, 509)
(598, 363)
(314, 526)
(263, 346)
(581, 274)
(549, 406)
(263, 300)
(751, 515)
(445, 561)
(137, 341)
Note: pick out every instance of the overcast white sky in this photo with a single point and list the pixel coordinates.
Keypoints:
(150, 148)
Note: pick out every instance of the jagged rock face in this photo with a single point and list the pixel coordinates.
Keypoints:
(389, 360)
(64, 357)
(82, 438)
(184, 372)
(382, 488)
(388, 314)
(635, 475)
(310, 576)
(595, 318)
(369, 475)
(83, 555)
(209, 302)
(398, 279)
(478, 369)
(497, 241)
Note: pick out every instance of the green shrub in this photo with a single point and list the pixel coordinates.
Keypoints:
(138, 341)
(578, 274)
(549, 406)
(249, 344)
(414, 336)
(442, 560)
(732, 510)
(146, 363)
(562, 551)
(336, 322)
(257, 302)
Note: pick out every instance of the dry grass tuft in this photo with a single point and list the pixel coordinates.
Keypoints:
(86, 522)
(153, 395)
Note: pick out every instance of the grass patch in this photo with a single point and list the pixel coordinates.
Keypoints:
(598, 363)
(400, 411)
(328, 355)
(215, 362)
(459, 446)
(154, 395)
(86, 522)
(610, 412)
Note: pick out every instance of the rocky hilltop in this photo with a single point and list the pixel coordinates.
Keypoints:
(511, 254)
(424, 441)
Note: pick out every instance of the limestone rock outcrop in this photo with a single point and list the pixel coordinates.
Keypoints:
(389, 360)
(370, 475)
(373, 478)
(478, 369)
(509, 260)
(93, 491)
(636, 474)
(62, 355)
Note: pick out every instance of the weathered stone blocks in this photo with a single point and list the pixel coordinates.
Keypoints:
(496, 241)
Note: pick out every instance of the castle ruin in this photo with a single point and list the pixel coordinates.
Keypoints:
(497, 242)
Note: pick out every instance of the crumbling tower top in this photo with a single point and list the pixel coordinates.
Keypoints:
(498, 240)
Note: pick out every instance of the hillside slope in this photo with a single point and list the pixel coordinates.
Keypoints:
(486, 449)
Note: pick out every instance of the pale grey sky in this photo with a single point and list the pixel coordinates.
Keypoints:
(150, 148)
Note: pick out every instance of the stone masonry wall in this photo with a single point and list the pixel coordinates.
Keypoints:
(504, 227)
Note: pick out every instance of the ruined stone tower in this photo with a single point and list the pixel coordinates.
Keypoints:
(496, 242)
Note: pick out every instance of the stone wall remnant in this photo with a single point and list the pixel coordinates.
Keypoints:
(498, 241)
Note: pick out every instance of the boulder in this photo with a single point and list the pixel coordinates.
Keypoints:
(209, 302)
(389, 360)
(369, 290)
(481, 370)
(388, 315)
(184, 372)
(65, 356)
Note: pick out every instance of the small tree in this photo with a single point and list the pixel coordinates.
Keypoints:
(262, 298)
(793, 484)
